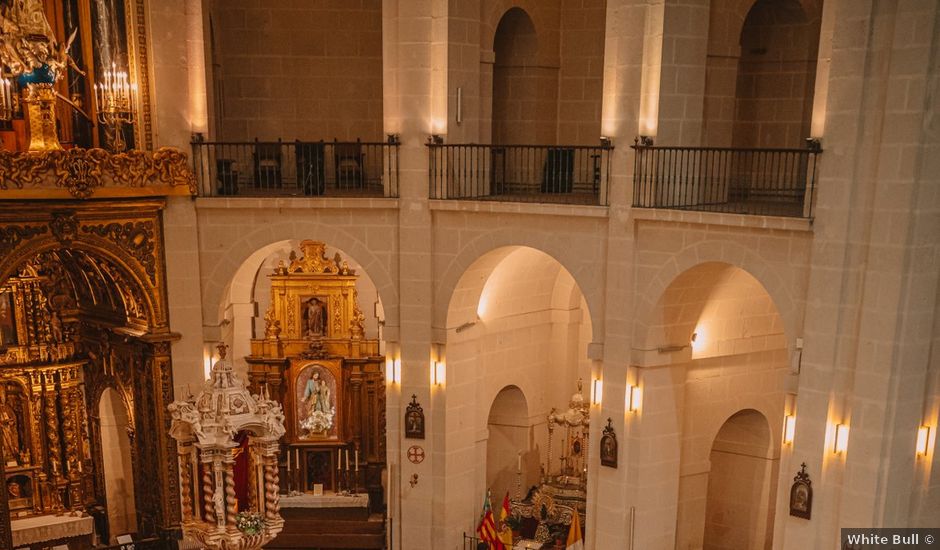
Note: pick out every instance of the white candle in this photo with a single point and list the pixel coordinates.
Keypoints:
(357, 460)
(339, 459)
(519, 463)
(347, 460)
(288, 461)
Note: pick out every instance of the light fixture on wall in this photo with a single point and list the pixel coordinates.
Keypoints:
(438, 372)
(436, 139)
(634, 397)
(606, 142)
(644, 141)
(393, 371)
(841, 440)
(923, 440)
(789, 428)
(597, 391)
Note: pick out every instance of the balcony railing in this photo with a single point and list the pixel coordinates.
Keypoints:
(769, 182)
(569, 174)
(296, 168)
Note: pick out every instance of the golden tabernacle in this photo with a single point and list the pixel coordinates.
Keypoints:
(315, 360)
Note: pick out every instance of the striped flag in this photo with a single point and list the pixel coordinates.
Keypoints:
(487, 528)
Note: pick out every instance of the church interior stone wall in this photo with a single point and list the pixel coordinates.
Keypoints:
(697, 335)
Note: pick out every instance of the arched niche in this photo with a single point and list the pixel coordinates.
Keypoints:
(118, 467)
(525, 93)
(739, 508)
(507, 442)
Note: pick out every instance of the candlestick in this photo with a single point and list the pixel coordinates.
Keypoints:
(347, 460)
(288, 461)
(357, 460)
(519, 463)
(339, 459)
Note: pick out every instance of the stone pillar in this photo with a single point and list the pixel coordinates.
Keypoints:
(872, 299)
(612, 492)
(415, 65)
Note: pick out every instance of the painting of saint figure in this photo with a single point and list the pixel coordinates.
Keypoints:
(314, 317)
(316, 402)
(7, 322)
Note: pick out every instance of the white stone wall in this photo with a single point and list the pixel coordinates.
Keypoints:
(858, 284)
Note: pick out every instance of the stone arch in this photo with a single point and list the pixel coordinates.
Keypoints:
(524, 84)
(507, 437)
(495, 12)
(486, 249)
(739, 508)
(217, 279)
(728, 253)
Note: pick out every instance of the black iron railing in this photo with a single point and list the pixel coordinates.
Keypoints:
(471, 542)
(570, 174)
(296, 168)
(771, 182)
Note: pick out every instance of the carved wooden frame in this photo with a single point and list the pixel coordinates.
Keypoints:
(128, 235)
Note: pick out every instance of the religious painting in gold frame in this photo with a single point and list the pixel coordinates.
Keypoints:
(316, 395)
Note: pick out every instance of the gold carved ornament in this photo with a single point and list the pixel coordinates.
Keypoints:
(82, 172)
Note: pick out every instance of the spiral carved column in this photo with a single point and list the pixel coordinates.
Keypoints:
(208, 493)
(231, 505)
(186, 481)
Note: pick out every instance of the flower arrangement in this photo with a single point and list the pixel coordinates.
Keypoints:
(250, 523)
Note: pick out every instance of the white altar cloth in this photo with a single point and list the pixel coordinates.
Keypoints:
(37, 529)
(329, 500)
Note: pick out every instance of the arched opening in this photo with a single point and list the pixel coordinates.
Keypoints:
(517, 325)
(739, 511)
(507, 440)
(118, 465)
(248, 297)
(524, 93)
(86, 343)
(773, 104)
(729, 353)
(760, 72)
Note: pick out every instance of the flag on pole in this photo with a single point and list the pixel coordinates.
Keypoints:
(487, 527)
(505, 533)
(575, 540)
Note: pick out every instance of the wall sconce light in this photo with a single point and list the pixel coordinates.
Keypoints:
(634, 398)
(606, 142)
(644, 141)
(392, 139)
(923, 440)
(841, 440)
(436, 139)
(438, 372)
(393, 371)
(597, 391)
(814, 144)
(413, 481)
(789, 428)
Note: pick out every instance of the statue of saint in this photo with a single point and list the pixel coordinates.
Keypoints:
(314, 317)
(319, 412)
(317, 394)
(11, 437)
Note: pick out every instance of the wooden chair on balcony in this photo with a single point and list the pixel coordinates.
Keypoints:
(226, 173)
(348, 161)
(267, 160)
